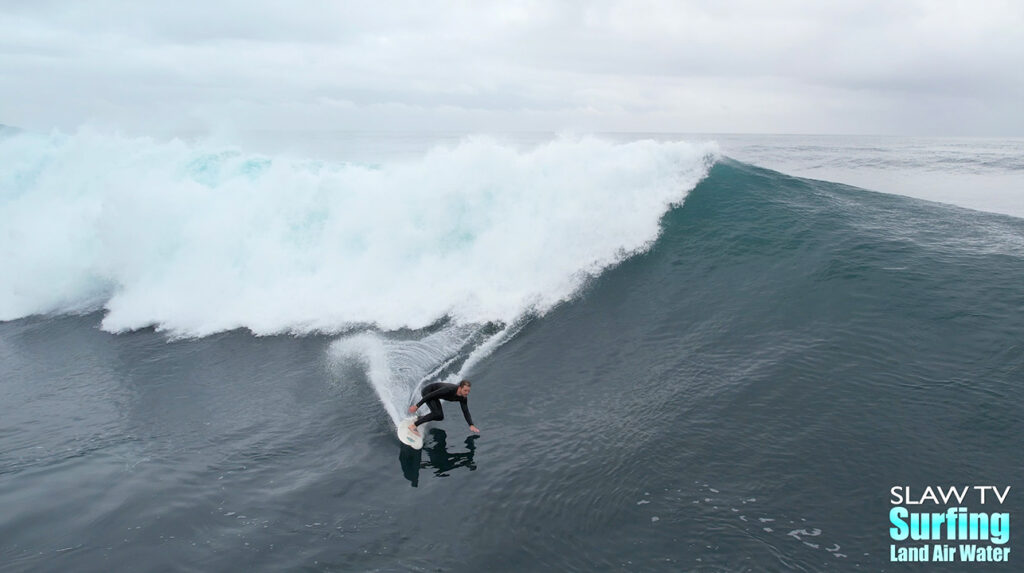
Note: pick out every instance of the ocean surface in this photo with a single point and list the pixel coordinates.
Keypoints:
(688, 353)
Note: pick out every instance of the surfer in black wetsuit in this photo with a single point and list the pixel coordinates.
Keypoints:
(432, 396)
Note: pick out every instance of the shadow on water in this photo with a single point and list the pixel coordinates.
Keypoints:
(438, 457)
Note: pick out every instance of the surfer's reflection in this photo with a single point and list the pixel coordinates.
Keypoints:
(438, 457)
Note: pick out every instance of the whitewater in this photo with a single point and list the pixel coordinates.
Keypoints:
(195, 238)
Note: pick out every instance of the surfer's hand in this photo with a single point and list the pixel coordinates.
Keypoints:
(475, 429)
(412, 409)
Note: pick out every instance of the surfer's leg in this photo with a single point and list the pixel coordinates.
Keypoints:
(436, 413)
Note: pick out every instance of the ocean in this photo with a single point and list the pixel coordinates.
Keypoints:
(688, 352)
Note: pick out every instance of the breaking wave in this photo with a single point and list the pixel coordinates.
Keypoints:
(195, 239)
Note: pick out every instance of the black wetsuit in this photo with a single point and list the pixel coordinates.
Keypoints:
(432, 396)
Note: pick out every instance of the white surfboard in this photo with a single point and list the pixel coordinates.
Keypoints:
(407, 437)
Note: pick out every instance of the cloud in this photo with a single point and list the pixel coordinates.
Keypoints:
(881, 67)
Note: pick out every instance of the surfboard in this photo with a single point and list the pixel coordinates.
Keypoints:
(408, 438)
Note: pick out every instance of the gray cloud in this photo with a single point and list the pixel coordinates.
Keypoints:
(878, 67)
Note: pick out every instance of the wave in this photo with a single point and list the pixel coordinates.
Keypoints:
(194, 239)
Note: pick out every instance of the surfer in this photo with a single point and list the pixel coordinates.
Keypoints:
(432, 396)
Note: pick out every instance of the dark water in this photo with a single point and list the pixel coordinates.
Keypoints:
(739, 398)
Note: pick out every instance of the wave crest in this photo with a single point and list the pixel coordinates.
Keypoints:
(194, 239)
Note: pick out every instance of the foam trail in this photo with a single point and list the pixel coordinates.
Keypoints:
(196, 239)
(395, 367)
(485, 348)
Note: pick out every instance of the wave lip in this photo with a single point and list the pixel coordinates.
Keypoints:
(194, 240)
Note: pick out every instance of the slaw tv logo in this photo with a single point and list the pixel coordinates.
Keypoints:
(949, 524)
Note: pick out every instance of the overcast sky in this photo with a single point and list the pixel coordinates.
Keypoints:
(891, 67)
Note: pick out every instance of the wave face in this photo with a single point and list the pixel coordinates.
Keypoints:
(786, 352)
(194, 240)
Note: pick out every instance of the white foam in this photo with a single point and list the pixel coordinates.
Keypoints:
(195, 239)
(397, 367)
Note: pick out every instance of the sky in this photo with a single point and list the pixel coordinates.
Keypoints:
(860, 67)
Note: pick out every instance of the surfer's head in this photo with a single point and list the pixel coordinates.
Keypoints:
(463, 389)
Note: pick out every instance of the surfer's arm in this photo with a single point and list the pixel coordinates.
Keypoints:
(465, 412)
(436, 394)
